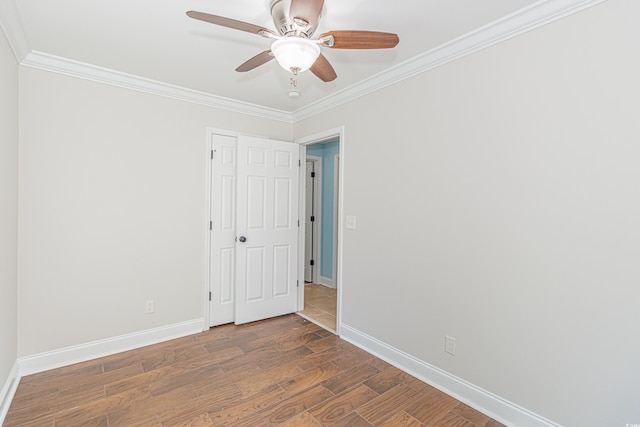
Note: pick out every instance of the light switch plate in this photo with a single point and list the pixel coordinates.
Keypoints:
(351, 222)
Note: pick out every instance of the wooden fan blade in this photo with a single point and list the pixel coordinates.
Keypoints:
(307, 10)
(361, 40)
(256, 61)
(230, 23)
(323, 69)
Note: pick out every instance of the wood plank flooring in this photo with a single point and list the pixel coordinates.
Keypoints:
(284, 371)
(320, 304)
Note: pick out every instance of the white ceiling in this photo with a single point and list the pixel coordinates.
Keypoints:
(154, 39)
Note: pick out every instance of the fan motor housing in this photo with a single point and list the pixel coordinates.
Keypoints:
(287, 25)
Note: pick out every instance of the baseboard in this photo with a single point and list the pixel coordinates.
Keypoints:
(79, 353)
(326, 282)
(482, 400)
(8, 391)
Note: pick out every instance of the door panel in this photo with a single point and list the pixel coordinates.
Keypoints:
(256, 193)
(223, 230)
(267, 217)
(281, 267)
(227, 276)
(282, 194)
(254, 274)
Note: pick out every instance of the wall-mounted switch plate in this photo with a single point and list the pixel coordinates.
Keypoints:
(350, 222)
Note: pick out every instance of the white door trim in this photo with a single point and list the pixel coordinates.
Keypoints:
(336, 217)
(315, 276)
(322, 136)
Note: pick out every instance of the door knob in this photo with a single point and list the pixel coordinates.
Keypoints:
(242, 239)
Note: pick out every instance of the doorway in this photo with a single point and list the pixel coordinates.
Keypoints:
(322, 180)
(221, 275)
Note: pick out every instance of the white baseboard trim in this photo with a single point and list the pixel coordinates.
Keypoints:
(8, 391)
(79, 353)
(482, 400)
(326, 282)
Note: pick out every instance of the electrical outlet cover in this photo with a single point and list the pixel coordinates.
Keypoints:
(450, 345)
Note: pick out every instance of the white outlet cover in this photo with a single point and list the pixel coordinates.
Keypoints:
(450, 345)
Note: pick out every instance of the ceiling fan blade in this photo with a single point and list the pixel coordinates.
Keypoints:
(323, 69)
(231, 23)
(360, 40)
(306, 10)
(256, 61)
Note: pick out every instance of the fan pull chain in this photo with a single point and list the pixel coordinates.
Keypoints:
(293, 80)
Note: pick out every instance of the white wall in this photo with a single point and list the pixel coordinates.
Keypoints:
(112, 199)
(501, 205)
(8, 207)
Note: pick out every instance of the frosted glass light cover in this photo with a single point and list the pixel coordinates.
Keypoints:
(295, 52)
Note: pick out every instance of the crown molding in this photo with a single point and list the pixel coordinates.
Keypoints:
(47, 62)
(11, 25)
(536, 15)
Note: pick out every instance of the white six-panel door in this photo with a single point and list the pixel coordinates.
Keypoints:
(254, 229)
(267, 229)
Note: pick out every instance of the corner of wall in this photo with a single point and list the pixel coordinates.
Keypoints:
(8, 391)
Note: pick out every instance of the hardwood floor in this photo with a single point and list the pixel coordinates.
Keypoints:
(284, 371)
(320, 303)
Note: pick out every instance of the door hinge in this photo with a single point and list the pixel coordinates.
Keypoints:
(313, 218)
(298, 223)
(297, 283)
(299, 163)
(209, 295)
(313, 174)
(210, 225)
(211, 154)
(312, 262)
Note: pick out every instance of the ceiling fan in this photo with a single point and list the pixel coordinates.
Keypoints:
(293, 47)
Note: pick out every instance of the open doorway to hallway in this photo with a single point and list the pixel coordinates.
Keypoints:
(321, 232)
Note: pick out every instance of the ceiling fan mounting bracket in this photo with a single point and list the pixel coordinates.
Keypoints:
(290, 25)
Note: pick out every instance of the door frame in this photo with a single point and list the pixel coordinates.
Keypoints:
(336, 217)
(317, 225)
(323, 136)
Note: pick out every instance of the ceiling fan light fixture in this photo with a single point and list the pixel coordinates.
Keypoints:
(295, 54)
